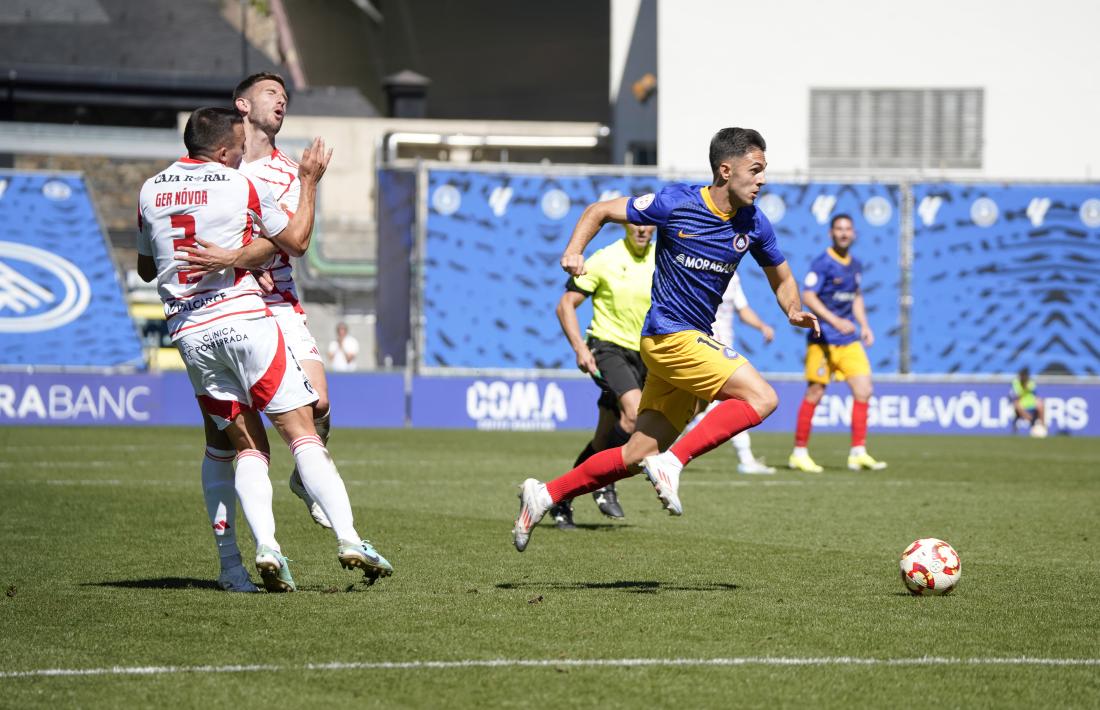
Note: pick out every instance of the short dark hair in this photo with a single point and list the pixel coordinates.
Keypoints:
(253, 79)
(837, 218)
(733, 143)
(209, 129)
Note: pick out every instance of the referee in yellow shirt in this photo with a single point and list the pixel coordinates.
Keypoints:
(618, 278)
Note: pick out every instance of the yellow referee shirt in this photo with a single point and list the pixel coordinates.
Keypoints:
(619, 283)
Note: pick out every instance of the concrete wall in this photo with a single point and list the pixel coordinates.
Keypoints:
(725, 63)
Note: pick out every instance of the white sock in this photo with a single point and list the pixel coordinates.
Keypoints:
(254, 491)
(221, 503)
(743, 445)
(322, 480)
(800, 451)
(858, 451)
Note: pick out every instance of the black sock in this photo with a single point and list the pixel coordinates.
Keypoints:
(584, 455)
(619, 437)
(321, 424)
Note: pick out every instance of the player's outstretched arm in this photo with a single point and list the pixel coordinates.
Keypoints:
(207, 257)
(567, 317)
(786, 294)
(815, 304)
(595, 216)
(294, 240)
(750, 318)
(860, 313)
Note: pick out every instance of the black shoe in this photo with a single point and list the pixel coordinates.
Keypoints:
(563, 515)
(608, 502)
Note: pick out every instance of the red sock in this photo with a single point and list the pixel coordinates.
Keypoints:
(859, 423)
(598, 470)
(719, 425)
(805, 423)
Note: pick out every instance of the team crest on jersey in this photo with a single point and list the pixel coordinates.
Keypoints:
(640, 203)
(741, 242)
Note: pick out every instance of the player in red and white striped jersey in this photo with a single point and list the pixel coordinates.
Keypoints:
(262, 100)
(235, 352)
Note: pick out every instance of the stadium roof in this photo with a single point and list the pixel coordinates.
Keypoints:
(137, 54)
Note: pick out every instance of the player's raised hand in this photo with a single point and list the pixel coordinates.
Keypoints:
(314, 162)
(805, 319)
(205, 258)
(573, 264)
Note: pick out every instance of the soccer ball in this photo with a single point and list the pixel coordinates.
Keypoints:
(1038, 430)
(930, 567)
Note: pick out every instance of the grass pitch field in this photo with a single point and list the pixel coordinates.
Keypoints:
(770, 591)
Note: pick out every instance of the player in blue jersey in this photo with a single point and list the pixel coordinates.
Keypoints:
(832, 291)
(703, 232)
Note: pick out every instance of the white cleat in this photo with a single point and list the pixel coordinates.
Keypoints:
(530, 513)
(236, 579)
(755, 467)
(663, 471)
(315, 510)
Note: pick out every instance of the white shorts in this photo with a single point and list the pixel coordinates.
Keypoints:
(298, 338)
(244, 365)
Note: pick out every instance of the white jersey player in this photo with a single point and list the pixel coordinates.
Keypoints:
(262, 100)
(235, 353)
(280, 174)
(735, 303)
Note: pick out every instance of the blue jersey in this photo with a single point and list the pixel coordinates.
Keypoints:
(836, 283)
(698, 250)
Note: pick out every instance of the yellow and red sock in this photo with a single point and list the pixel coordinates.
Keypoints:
(595, 472)
(805, 423)
(718, 426)
(859, 423)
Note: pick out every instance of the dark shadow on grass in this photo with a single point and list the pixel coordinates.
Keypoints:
(632, 586)
(599, 526)
(189, 583)
(158, 583)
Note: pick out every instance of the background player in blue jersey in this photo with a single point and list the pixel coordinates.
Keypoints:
(832, 291)
(702, 234)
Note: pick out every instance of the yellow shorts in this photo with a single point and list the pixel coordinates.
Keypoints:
(825, 362)
(684, 368)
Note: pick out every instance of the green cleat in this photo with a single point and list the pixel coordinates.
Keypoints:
(803, 462)
(273, 568)
(363, 556)
(864, 462)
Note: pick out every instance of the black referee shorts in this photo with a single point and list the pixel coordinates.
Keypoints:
(620, 370)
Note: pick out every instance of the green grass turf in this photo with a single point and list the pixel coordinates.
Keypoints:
(106, 560)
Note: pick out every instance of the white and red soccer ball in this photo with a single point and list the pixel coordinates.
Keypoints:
(930, 567)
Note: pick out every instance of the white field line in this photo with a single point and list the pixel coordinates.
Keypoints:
(368, 482)
(773, 661)
(193, 463)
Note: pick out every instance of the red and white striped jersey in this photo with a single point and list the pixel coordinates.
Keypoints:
(195, 198)
(280, 173)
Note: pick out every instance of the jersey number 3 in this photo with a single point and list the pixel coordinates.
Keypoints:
(187, 223)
